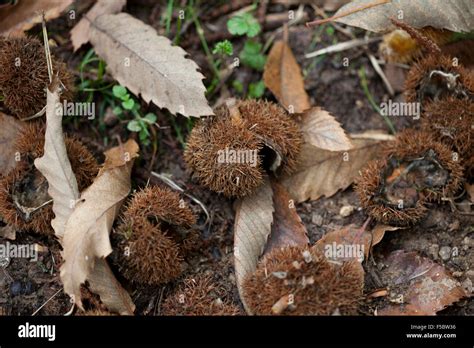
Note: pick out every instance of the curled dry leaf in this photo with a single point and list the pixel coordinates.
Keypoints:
(86, 238)
(287, 228)
(55, 165)
(253, 221)
(352, 242)
(80, 34)
(283, 77)
(455, 15)
(148, 64)
(323, 173)
(10, 127)
(16, 19)
(424, 286)
(321, 129)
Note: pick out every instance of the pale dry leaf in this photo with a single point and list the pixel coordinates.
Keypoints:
(323, 173)
(103, 282)
(7, 231)
(23, 16)
(425, 286)
(321, 129)
(287, 228)
(86, 238)
(10, 127)
(352, 241)
(282, 76)
(455, 15)
(55, 165)
(148, 65)
(80, 34)
(253, 221)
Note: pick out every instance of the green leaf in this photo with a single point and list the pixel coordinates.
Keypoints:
(223, 47)
(251, 56)
(117, 110)
(134, 126)
(128, 105)
(237, 25)
(150, 118)
(256, 89)
(119, 91)
(243, 24)
(238, 86)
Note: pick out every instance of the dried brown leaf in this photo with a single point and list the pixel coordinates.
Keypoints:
(323, 173)
(103, 282)
(283, 77)
(10, 127)
(55, 165)
(16, 19)
(80, 34)
(355, 238)
(455, 15)
(321, 129)
(86, 238)
(424, 286)
(287, 228)
(253, 221)
(148, 64)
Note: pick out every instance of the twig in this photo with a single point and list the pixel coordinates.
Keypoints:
(44, 304)
(47, 50)
(38, 114)
(380, 72)
(175, 186)
(342, 46)
(344, 14)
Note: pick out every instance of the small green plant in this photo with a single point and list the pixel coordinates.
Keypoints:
(140, 124)
(224, 48)
(256, 89)
(252, 55)
(244, 24)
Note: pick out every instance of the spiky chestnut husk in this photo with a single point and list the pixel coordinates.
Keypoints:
(26, 184)
(318, 287)
(420, 87)
(421, 184)
(198, 296)
(452, 121)
(24, 76)
(154, 236)
(261, 125)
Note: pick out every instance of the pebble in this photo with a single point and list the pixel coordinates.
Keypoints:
(445, 253)
(433, 251)
(467, 284)
(346, 210)
(317, 219)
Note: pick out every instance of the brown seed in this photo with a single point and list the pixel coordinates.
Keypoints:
(318, 287)
(154, 236)
(231, 153)
(415, 169)
(24, 200)
(24, 76)
(198, 296)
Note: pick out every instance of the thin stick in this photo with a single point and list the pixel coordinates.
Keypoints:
(344, 14)
(342, 46)
(44, 304)
(380, 72)
(47, 50)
